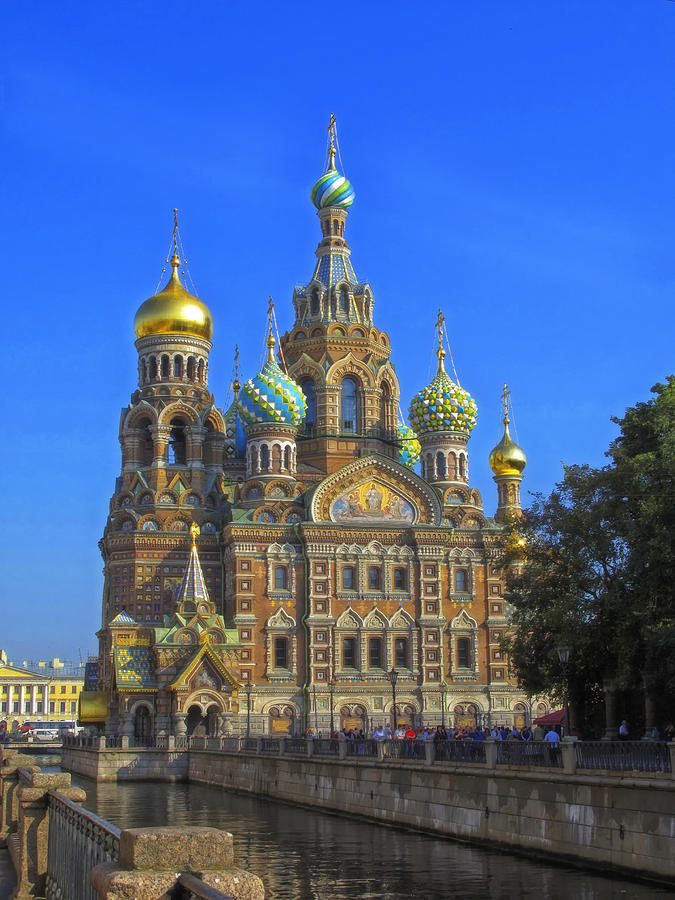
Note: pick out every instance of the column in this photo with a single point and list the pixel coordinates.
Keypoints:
(22, 696)
(193, 452)
(160, 441)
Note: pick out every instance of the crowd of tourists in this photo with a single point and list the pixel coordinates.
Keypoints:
(407, 732)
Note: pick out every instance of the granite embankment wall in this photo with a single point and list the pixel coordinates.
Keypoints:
(622, 822)
(126, 765)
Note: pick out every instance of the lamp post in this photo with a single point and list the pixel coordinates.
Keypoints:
(444, 688)
(316, 717)
(564, 657)
(247, 688)
(331, 686)
(393, 677)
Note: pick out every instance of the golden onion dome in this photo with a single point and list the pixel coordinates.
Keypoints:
(507, 458)
(174, 311)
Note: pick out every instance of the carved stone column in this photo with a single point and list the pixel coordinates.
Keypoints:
(195, 442)
(161, 434)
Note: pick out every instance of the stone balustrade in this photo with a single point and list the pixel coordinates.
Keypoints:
(59, 849)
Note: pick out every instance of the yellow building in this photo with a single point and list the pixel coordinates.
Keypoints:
(47, 691)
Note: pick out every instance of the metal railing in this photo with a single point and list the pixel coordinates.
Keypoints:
(297, 745)
(623, 756)
(189, 886)
(269, 745)
(459, 751)
(78, 841)
(326, 747)
(366, 747)
(249, 744)
(403, 750)
(529, 753)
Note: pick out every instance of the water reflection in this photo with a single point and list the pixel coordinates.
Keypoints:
(301, 854)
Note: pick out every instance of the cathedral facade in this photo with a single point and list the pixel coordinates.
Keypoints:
(280, 566)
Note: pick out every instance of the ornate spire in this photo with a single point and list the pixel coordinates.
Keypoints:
(236, 384)
(440, 352)
(331, 143)
(332, 190)
(193, 589)
(507, 459)
(271, 340)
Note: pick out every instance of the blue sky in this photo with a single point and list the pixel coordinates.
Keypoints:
(513, 164)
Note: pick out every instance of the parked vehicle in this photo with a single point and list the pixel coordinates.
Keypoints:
(45, 734)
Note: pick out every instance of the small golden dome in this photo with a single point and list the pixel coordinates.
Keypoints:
(174, 311)
(507, 458)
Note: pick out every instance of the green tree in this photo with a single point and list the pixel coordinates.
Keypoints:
(598, 570)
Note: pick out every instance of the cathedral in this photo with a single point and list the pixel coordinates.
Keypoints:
(281, 566)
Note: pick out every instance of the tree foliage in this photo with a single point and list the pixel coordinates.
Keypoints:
(598, 569)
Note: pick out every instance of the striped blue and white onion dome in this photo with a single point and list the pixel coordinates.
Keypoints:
(333, 189)
(271, 396)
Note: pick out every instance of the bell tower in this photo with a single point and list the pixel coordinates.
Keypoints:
(334, 350)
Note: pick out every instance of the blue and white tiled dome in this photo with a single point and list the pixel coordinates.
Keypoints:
(332, 189)
(271, 396)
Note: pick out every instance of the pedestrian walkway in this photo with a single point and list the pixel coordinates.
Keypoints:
(7, 879)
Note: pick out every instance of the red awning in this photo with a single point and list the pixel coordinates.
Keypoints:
(557, 717)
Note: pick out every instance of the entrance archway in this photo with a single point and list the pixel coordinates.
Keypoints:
(211, 721)
(466, 715)
(195, 721)
(282, 720)
(354, 718)
(142, 727)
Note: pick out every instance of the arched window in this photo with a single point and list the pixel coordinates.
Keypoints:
(280, 578)
(385, 405)
(200, 371)
(373, 578)
(440, 466)
(463, 653)
(146, 447)
(144, 372)
(287, 458)
(344, 300)
(165, 367)
(462, 465)
(375, 653)
(333, 310)
(280, 653)
(315, 302)
(310, 405)
(401, 658)
(461, 581)
(348, 406)
(336, 226)
(153, 368)
(178, 367)
(399, 579)
(348, 577)
(264, 457)
(349, 653)
(191, 368)
(177, 443)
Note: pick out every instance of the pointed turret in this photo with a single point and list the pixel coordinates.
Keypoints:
(507, 461)
(193, 595)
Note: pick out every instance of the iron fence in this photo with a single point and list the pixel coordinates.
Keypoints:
(78, 841)
(269, 745)
(250, 744)
(404, 749)
(365, 748)
(297, 745)
(326, 747)
(623, 756)
(529, 753)
(459, 751)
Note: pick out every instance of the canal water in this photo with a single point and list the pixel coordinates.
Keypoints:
(301, 854)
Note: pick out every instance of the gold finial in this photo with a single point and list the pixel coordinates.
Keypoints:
(194, 531)
(440, 353)
(331, 142)
(236, 386)
(270, 336)
(506, 393)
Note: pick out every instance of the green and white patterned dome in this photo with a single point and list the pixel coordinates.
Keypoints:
(408, 445)
(443, 406)
(271, 395)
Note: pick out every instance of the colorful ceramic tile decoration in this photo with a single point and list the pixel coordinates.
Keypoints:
(409, 446)
(332, 189)
(132, 667)
(271, 396)
(443, 406)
